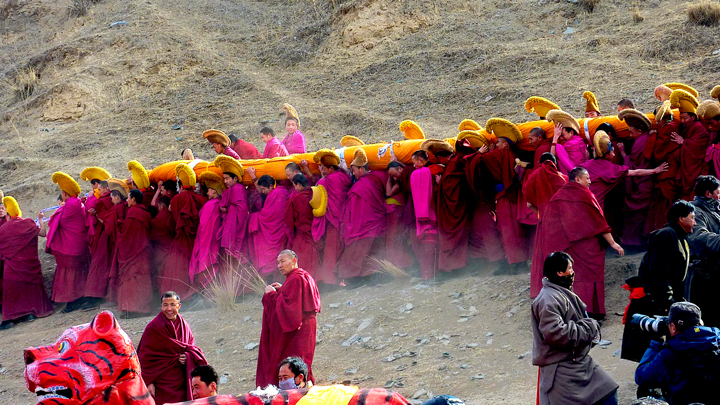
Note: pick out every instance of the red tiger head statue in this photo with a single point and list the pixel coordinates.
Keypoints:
(93, 363)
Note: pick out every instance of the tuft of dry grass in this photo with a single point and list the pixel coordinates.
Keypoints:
(78, 8)
(390, 269)
(222, 290)
(588, 5)
(250, 279)
(705, 13)
(24, 83)
(636, 16)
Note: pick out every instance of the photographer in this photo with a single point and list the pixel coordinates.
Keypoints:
(563, 335)
(687, 366)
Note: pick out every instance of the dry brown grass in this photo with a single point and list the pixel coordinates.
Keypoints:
(231, 282)
(589, 5)
(24, 83)
(390, 269)
(78, 8)
(705, 13)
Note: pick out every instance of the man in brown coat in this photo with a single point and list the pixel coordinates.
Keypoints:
(563, 336)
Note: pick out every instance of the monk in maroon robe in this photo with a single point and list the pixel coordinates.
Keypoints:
(245, 150)
(266, 228)
(23, 292)
(205, 260)
(101, 250)
(326, 229)
(542, 184)
(273, 146)
(3, 220)
(638, 191)
(235, 213)
(162, 233)
(574, 223)
(112, 220)
(298, 219)
(397, 248)
(167, 353)
(133, 255)
(661, 148)
(289, 325)
(693, 139)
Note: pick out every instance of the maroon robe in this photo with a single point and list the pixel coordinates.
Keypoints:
(692, 157)
(267, 232)
(67, 241)
(160, 347)
(162, 233)
(453, 210)
(574, 223)
(604, 176)
(246, 150)
(326, 229)
(638, 191)
(113, 219)
(3, 220)
(399, 208)
(660, 148)
(22, 281)
(298, 219)
(485, 241)
(101, 252)
(233, 229)
(175, 275)
(289, 326)
(542, 184)
(133, 255)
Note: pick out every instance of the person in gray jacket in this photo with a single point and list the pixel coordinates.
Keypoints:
(563, 335)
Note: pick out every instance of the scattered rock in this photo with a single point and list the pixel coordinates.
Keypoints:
(364, 324)
(424, 342)
(463, 320)
(334, 305)
(464, 366)
(489, 334)
(522, 356)
(489, 342)
(419, 393)
(351, 371)
(409, 307)
(569, 30)
(251, 346)
(604, 343)
(247, 318)
(354, 338)
(478, 377)
(224, 379)
(716, 52)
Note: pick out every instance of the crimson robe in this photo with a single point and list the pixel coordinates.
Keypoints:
(453, 214)
(289, 326)
(397, 249)
(274, 148)
(205, 260)
(67, 241)
(231, 152)
(424, 240)
(22, 281)
(364, 226)
(234, 222)
(638, 192)
(246, 150)
(326, 229)
(90, 220)
(295, 142)
(162, 232)
(148, 195)
(266, 231)
(571, 154)
(133, 255)
(574, 223)
(712, 157)
(185, 208)
(604, 176)
(692, 157)
(101, 252)
(3, 220)
(660, 148)
(113, 219)
(160, 347)
(298, 219)
(542, 184)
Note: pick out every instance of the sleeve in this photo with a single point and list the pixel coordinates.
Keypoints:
(704, 243)
(290, 216)
(652, 370)
(561, 334)
(231, 152)
(288, 308)
(660, 263)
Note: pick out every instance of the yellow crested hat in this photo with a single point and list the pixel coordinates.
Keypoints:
(563, 118)
(186, 175)
(327, 157)
(684, 101)
(503, 128)
(591, 103)
(349, 140)
(66, 183)
(290, 112)
(411, 130)
(216, 136)
(540, 106)
(435, 145)
(360, 158)
(139, 174)
(662, 93)
(681, 86)
(94, 173)
(715, 92)
(118, 185)
(229, 165)
(212, 180)
(488, 136)
(319, 201)
(11, 207)
(601, 143)
(635, 119)
(469, 124)
(708, 109)
(473, 137)
(664, 110)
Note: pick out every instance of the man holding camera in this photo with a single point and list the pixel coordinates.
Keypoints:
(563, 336)
(687, 365)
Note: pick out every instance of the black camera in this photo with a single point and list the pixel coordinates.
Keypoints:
(657, 325)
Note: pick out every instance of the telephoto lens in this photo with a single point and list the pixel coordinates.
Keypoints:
(656, 325)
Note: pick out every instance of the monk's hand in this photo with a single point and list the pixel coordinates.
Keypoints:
(618, 248)
(151, 389)
(91, 211)
(558, 132)
(223, 209)
(183, 358)
(41, 215)
(276, 285)
(251, 172)
(483, 149)
(269, 289)
(662, 168)
(677, 138)
(621, 148)
(437, 179)
(304, 163)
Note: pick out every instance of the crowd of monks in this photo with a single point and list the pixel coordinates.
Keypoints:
(475, 196)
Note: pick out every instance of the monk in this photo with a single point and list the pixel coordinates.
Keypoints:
(273, 147)
(162, 233)
(245, 150)
(424, 240)
(567, 145)
(67, 240)
(397, 188)
(542, 184)
(234, 210)
(298, 219)
(363, 223)
(289, 325)
(95, 175)
(168, 354)
(100, 250)
(141, 180)
(133, 255)
(112, 220)
(205, 260)
(693, 139)
(574, 223)
(294, 140)
(326, 229)
(712, 155)
(3, 220)
(220, 142)
(266, 228)
(24, 296)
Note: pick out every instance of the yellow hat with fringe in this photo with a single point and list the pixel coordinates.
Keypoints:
(216, 136)
(360, 158)
(139, 174)
(118, 185)
(602, 144)
(94, 173)
(708, 109)
(662, 93)
(715, 92)
(411, 130)
(435, 145)
(635, 119)
(66, 183)
(229, 165)
(473, 137)
(349, 140)
(186, 175)
(319, 201)
(11, 207)
(684, 101)
(488, 136)
(212, 180)
(469, 125)
(290, 112)
(326, 157)
(540, 106)
(563, 118)
(591, 103)
(664, 110)
(681, 86)
(503, 128)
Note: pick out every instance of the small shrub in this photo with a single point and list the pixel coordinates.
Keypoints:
(589, 5)
(78, 8)
(25, 83)
(637, 17)
(706, 13)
